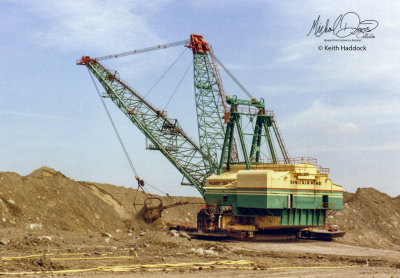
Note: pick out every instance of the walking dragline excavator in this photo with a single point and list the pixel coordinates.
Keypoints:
(250, 187)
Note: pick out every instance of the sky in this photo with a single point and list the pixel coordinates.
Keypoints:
(341, 107)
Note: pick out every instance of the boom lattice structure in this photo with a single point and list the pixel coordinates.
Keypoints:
(165, 134)
(209, 102)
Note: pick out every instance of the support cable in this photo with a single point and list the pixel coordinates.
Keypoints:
(170, 67)
(169, 100)
(233, 78)
(138, 51)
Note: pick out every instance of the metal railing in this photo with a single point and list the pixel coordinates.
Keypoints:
(252, 111)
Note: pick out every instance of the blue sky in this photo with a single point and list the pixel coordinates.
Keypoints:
(342, 108)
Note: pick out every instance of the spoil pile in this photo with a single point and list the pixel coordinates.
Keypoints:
(371, 218)
(48, 201)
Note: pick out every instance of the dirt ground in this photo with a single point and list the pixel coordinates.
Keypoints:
(52, 225)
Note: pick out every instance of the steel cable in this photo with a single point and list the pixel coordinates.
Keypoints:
(120, 140)
(170, 67)
(114, 127)
(233, 77)
(169, 100)
(143, 50)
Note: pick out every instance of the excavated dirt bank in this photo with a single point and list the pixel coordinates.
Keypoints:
(95, 224)
(371, 218)
(49, 201)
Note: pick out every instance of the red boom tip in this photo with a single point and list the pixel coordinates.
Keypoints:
(85, 60)
(198, 44)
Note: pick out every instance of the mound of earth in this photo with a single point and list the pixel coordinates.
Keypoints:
(47, 200)
(371, 218)
(51, 222)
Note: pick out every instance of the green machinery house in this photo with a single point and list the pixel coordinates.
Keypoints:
(279, 194)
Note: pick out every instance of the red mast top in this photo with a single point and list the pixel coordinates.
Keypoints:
(85, 60)
(198, 44)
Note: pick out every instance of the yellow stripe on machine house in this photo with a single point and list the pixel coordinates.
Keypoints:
(312, 192)
(258, 193)
(281, 185)
(219, 190)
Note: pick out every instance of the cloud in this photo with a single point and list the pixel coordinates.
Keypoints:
(388, 147)
(100, 26)
(284, 88)
(217, 5)
(347, 118)
(237, 67)
(295, 51)
(340, 128)
(94, 28)
(41, 116)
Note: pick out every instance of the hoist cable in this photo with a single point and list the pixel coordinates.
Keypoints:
(170, 67)
(114, 127)
(120, 140)
(233, 78)
(169, 100)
